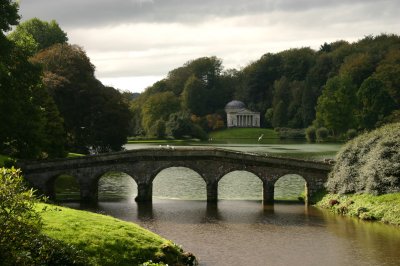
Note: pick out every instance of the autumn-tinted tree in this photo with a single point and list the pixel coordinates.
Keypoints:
(96, 118)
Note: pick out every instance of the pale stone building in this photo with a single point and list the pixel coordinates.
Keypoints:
(238, 116)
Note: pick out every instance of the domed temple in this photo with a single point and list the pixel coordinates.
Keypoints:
(238, 116)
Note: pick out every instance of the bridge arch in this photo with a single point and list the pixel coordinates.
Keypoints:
(290, 187)
(179, 182)
(240, 184)
(63, 186)
(116, 185)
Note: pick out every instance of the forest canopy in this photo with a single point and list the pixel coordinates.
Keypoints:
(51, 102)
(341, 87)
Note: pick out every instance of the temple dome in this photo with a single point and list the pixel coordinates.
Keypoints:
(235, 105)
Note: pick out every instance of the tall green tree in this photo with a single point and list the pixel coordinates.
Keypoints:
(280, 102)
(21, 120)
(336, 106)
(196, 97)
(8, 15)
(374, 103)
(159, 106)
(35, 35)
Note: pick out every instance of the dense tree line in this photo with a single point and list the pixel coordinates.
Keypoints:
(341, 87)
(188, 102)
(50, 99)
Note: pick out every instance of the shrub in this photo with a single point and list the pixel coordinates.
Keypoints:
(18, 220)
(158, 129)
(322, 134)
(369, 163)
(351, 134)
(311, 134)
(21, 242)
(290, 133)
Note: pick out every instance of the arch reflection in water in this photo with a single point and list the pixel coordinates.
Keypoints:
(66, 188)
(115, 186)
(179, 183)
(240, 185)
(290, 187)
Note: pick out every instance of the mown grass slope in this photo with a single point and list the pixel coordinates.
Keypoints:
(106, 240)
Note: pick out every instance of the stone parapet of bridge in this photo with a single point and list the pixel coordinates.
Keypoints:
(143, 165)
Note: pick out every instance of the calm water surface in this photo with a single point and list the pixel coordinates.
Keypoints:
(239, 229)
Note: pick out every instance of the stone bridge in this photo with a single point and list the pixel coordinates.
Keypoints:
(143, 165)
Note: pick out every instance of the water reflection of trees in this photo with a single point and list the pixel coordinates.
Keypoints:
(376, 241)
(115, 186)
(289, 187)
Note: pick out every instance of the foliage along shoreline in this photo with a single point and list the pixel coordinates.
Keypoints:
(365, 181)
(383, 208)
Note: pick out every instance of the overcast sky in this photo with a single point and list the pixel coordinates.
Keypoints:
(134, 43)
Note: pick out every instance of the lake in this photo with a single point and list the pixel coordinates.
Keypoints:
(239, 229)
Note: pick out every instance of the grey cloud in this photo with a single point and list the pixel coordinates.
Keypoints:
(91, 13)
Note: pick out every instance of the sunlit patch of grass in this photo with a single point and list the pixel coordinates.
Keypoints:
(73, 155)
(384, 208)
(105, 240)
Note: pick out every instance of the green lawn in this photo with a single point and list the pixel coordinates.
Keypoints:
(244, 133)
(106, 240)
(383, 208)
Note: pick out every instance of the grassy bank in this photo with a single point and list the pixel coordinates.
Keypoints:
(108, 241)
(383, 208)
(158, 141)
(244, 133)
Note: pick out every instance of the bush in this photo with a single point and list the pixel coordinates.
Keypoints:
(21, 242)
(369, 163)
(351, 134)
(18, 220)
(311, 134)
(322, 134)
(158, 129)
(290, 133)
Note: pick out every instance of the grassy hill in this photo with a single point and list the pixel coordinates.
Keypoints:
(109, 241)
